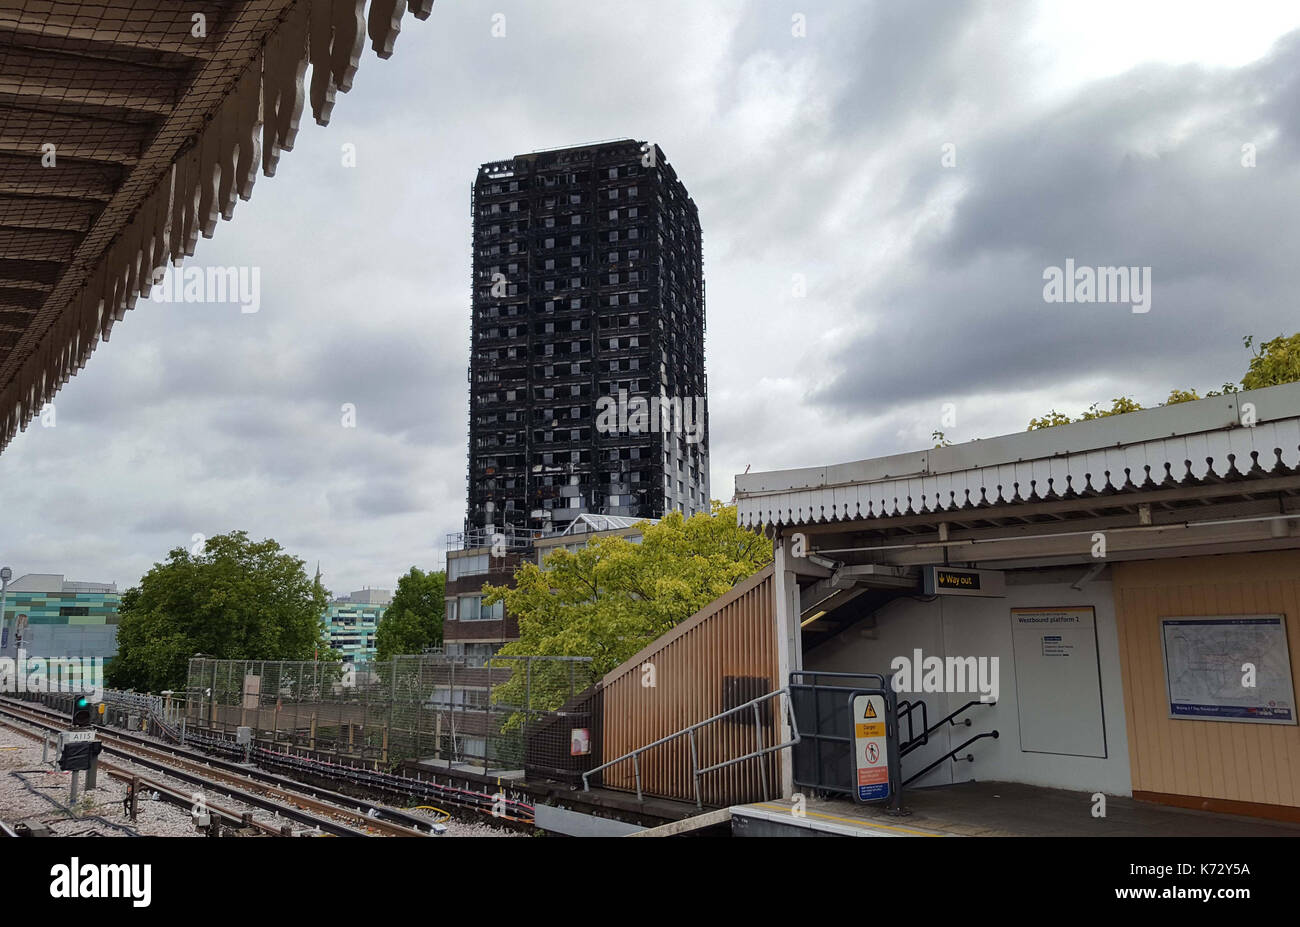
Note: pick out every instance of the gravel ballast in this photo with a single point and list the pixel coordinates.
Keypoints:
(33, 793)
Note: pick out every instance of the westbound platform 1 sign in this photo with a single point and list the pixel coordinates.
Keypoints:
(870, 748)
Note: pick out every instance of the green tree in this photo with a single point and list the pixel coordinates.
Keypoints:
(610, 598)
(1184, 395)
(237, 599)
(1117, 407)
(1278, 361)
(1047, 421)
(413, 621)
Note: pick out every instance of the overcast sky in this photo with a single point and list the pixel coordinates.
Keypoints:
(1110, 133)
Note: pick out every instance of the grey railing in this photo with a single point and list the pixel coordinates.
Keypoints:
(139, 700)
(783, 695)
(156, 708)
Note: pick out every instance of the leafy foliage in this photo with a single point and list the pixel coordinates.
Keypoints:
(1047, 421)
(1185, 395)
(609, 599)
(238, 599)
(1277, 361)
(413, 622)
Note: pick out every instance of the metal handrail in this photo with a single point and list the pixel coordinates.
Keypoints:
(696, 771)
(836, 675)
(913, 741)
(953, 755)
(907, 708)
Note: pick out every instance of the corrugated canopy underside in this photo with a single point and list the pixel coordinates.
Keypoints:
(126, 128)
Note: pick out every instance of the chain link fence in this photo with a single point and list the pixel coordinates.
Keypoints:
(502, 716)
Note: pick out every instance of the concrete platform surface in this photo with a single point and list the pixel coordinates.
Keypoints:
(1007, 809)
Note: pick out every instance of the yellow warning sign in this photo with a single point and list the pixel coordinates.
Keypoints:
(871, 747)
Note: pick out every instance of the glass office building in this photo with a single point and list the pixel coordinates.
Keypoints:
(352, 622)
(57, 617)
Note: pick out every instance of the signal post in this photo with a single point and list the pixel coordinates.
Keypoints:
(78, 749)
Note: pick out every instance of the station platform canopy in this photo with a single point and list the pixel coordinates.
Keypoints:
(1209, 476)
(127, 127)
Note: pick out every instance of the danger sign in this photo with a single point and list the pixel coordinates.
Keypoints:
(871, 748)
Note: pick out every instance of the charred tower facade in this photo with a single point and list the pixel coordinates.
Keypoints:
(588, 311)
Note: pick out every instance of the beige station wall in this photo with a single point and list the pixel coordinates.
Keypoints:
(1218, 762)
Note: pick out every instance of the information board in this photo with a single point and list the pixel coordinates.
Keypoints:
(1229, 668)
(1058, 680)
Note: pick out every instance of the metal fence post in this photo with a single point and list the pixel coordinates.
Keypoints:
(393, 701)
(891, 740)
(695, 772)
(528, 698)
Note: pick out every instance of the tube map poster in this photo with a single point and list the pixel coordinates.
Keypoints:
(1208, 666)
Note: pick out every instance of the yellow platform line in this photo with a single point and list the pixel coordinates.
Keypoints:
(858, 822)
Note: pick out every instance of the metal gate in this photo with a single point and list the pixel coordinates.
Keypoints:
(823, 759)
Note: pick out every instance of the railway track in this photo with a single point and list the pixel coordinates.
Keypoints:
(165, 792)
(338, 815)
(372, 810)
(294, 766)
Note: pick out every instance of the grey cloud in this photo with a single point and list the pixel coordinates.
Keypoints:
(202, 414)
(966, 313)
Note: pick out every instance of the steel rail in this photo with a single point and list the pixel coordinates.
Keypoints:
(165, 792)
(371, 809)
(295, 807)
(506, 810)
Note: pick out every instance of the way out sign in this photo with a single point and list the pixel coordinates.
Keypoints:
(870, 747)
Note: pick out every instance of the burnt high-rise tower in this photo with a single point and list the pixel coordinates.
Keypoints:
(586, 373)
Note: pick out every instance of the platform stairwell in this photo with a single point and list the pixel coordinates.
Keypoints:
(757, 712)
(704, 716)
(678, 714)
